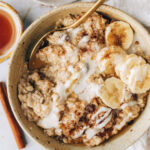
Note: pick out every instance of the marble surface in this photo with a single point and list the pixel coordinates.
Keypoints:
(29, 10)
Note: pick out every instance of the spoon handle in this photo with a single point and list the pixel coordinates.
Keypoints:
(87, 14)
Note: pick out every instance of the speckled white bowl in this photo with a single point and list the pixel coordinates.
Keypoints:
(119, 142)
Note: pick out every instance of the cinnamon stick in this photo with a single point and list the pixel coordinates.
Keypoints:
(11, 119)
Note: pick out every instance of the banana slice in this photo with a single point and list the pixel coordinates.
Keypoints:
(106, 58)
(107, 52)
(112, 92)
(119, 33)
(135, 73)
(133, 60)
(124, 66)
(139, 79)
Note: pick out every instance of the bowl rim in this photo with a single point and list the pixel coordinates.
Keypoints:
(30, 28)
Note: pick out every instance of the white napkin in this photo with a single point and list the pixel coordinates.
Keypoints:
(55, 3)
(140, 9)
(143, 143)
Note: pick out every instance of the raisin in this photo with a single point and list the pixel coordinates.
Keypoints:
(90, 108)
(61, 115)
(131, 122)
(135, 96)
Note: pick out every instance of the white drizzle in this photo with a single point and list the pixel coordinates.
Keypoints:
(84, 41)
(102, 109)
(79, 82)
(93, 131)
(83, 88)
(79, 133)
(103, 117)
(51, 120)
(129, 104)
(104, 123)
(62, 40)
(74, 32)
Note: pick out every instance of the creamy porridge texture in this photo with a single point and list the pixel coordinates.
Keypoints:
(96, 80)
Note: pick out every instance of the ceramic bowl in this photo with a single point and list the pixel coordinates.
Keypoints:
(18, 25)
(38, 28)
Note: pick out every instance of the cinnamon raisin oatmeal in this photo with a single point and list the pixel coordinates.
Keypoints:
(90, 87)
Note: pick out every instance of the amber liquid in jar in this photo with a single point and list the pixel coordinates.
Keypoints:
(7, 32)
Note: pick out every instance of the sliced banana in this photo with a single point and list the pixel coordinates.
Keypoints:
(124, 66)
(133, 60)
(107, 52)
(139, 79)
(119, 33)
(106, 58)
(134, 72)
(112, 92)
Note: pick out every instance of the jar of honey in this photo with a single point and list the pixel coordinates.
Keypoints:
(11, 28)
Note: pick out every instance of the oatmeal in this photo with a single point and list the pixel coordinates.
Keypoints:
(91, 86)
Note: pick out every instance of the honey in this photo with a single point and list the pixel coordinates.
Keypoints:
(7, 32)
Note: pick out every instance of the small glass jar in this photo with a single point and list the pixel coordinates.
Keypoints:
(9, 16)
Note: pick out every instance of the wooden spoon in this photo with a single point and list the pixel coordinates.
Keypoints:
(35, 62)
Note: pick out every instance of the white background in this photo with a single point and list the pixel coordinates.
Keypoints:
(29, 11)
